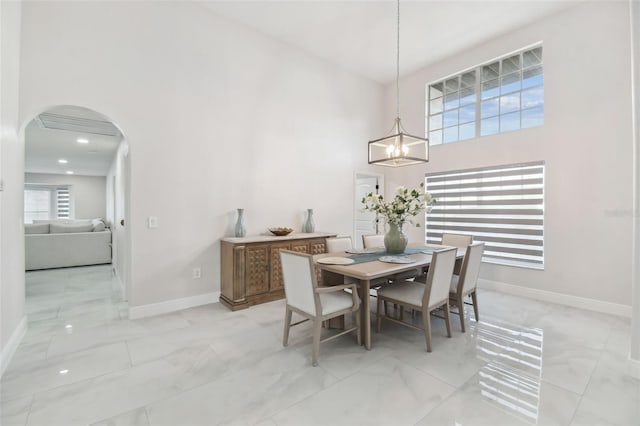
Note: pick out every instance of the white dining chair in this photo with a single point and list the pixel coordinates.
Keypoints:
(338, 244)
(456, 240)
(465, 284)
(372, 241)
(318, 304)
(423, 298)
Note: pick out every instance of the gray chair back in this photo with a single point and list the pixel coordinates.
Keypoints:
(439, 277)
(299, 281)
(371, 241)
(470, 267)
(338, 244)
(457, 240)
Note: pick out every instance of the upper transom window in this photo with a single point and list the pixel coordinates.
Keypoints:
(500, 96)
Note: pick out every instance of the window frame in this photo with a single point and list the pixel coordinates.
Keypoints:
(479, 82)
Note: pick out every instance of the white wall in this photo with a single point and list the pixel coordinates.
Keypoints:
(217, 117)
(12, 320)
(88, 193)
(585, 141)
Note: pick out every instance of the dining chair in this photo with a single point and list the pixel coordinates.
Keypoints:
(371, 241)
(318, 304)
(338, 244)
(465, 284)
(456, 240)
(420, 297)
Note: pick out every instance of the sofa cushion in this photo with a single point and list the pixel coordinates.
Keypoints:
(98, 225)
(36, 228)
(63, 228)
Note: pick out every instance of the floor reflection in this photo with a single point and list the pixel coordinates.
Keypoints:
(511, 378)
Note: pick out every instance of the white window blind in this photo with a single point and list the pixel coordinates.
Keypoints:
(63, 202)
(502, 206)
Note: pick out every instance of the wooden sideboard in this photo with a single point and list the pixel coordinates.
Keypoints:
(250, 271)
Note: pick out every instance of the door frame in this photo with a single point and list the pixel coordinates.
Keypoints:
(356, 202)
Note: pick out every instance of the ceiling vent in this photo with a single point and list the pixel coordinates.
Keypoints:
(77, 124)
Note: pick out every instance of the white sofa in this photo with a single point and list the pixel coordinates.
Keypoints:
(63, 243)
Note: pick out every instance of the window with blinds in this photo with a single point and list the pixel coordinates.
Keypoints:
(43, 201)
(502, 206)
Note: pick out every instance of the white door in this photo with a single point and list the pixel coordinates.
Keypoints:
(365, 222)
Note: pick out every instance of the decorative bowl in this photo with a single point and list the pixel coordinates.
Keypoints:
(280, 232)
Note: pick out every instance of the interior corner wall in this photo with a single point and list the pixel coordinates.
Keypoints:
(88, 193)
(217, 117)
(585, 142)
(12, 291)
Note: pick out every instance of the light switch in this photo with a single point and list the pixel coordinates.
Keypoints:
(152, 222)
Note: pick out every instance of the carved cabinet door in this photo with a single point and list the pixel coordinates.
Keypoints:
(276, 267)
(257, 269)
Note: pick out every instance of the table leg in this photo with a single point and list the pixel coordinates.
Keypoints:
(365, 286)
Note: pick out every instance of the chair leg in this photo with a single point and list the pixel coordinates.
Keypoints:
(447, 318)
(356, 316)
(379, 314)
(287, 325)
(315, 345)
(460, 302)
(474, 296)
(426, 321)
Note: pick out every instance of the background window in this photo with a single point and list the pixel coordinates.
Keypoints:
(501, 96)
(44, 202)
(502, 206)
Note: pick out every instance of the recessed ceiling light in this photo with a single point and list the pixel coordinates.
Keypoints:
(69, 172)
(82, 140)
(62, 161)
(92, 152)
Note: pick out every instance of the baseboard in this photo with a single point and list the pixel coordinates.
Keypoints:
(172, 305)
(562, 299)
(14, 341)
(634, 367)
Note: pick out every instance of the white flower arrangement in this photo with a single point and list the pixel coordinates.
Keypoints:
(405, 205)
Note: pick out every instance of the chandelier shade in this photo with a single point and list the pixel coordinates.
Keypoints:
(399, 148)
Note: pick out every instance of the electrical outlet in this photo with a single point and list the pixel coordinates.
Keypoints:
(196, 274)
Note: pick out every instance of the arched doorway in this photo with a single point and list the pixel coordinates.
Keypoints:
(76, 178)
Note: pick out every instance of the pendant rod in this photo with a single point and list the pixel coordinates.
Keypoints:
(398, 61)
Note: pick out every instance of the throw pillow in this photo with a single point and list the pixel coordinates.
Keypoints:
(36, 228)
(63, 228)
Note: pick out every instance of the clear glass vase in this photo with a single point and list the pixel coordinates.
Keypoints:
(395, 241)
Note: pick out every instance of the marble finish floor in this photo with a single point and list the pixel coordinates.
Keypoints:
(83, 362)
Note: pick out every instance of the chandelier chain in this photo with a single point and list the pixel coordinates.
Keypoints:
(398, 61)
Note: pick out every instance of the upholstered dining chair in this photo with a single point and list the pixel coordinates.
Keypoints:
(338, 244)
(465, 284)
(318, 304)
(422, 297)
(371, 241)
(457, 240)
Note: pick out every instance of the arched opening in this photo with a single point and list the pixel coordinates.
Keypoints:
(76, 179)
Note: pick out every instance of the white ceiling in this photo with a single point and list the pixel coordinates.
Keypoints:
(360, 35)
(44, 147)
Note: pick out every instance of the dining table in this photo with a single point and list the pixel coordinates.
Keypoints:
(367, 270)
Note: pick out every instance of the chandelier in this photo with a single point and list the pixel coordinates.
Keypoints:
(398, 148)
